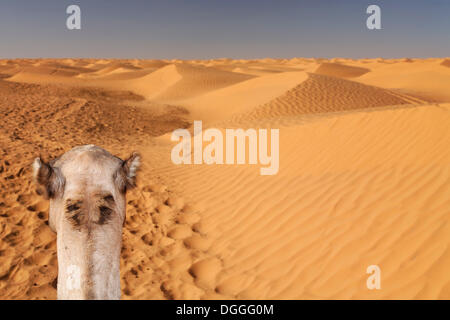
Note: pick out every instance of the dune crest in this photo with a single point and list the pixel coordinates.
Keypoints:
(322, 94)
(223, 103)
(340, 70)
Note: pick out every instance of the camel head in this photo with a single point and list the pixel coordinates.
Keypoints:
(87, 187)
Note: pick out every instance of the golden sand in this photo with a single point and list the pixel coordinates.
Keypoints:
(364, 176)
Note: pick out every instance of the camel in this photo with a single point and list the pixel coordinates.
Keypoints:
(87, 189)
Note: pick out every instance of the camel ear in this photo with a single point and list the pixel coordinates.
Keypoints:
(125, 177)
(49, 180)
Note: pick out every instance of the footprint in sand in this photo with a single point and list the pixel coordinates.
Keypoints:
(205, 272)
(175, 252)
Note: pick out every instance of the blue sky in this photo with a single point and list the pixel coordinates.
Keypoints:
(202, 29)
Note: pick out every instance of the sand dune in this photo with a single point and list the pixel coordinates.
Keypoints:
(429, 80)
(364, 176)
(168, 83)
(223, 103)
(321, 94)
(446, 63)
(194, 81)
(258, 70)
(111, 68)
(156, 83)
(151, 64)
(340, 70)
(353, 190)
(50, 71)
(47, 77)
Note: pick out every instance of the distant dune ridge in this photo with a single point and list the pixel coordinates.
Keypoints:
(446, 63)
(364, 175)
(340, 70)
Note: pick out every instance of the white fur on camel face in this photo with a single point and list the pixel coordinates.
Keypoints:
(87, 188)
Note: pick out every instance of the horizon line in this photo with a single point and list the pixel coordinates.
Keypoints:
(224, 58)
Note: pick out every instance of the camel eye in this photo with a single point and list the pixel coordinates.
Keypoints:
(109, 199)
(73, 207)
(73, 212)
(105, 209)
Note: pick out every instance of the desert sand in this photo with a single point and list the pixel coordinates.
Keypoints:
(364, 176)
